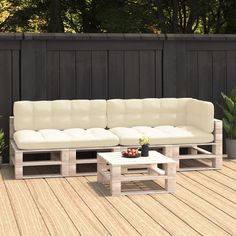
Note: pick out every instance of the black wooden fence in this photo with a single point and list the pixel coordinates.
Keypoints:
(89, 66)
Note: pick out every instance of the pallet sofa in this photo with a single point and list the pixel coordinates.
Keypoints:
(63, 128)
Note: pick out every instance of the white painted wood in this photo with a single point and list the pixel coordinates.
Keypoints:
(86, 161)
(101, 170)
(198, 156)
(115, 180)
(11, 127)
(115, 158)
(41, 163)
(218, 148)
(170, 183)
(144, 177)
(201, 150)
(86, 174)
(116, 162)
(196, 169)
(18, 165)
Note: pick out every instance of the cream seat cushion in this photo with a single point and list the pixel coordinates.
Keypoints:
(68, 138)
(162, 135)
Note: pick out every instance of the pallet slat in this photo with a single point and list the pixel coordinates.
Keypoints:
(198, 156)
(41, 163)
(85, 161)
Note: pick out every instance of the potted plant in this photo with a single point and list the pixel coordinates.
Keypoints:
(144, 142)
(2, 144)
(229, 122)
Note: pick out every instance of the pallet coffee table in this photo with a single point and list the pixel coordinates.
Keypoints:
(115, 169)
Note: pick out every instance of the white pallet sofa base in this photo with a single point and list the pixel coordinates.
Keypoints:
(66, 157)
(69, 162)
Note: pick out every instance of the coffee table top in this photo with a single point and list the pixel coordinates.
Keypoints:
(115, 158)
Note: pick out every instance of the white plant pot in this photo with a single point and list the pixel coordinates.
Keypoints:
(231, 148)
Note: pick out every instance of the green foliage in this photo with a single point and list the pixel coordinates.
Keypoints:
(144, 140)
(229, 111)
(2, 142)
(118, 16)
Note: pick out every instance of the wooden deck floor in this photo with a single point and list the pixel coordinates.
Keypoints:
(204, 204)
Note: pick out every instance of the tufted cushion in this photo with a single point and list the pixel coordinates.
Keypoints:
(60, 114)
(69, 138)
(147, 112)
(81, 123)
(162, 135)
(200, 114)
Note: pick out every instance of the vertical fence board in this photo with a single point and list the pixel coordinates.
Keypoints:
(205, 75)
(15, 75)
(83, 74)
(147, 74)
(5, 91)
(158, 74)
(33, 70)
(116, 74)
(132, 74)
(67, 75)
(192, 74)
(53, 75)
(219, 78)
(231, 70)
(99, 74)
(181, 69)
(169, 69)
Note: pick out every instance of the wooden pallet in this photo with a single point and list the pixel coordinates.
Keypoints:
(68, 162)
(58, 157)
(110, 170)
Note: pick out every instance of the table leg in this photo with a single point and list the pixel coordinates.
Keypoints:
(170, 171)
(101, 167)
(152, 168)
(115, 180)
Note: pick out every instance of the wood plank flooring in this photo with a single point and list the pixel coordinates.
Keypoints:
(204, 204)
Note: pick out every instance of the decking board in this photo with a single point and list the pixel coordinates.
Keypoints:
(8, 224)
(163, 216)
(221, 178)
(79, 212)
(204, 204)
(212, 184)
(228, 172)
(189, 215)
(107, 214)
(208, 195)
(230, 164)
(204, 208)
(51, 209)
(28, 217)
(142, 222)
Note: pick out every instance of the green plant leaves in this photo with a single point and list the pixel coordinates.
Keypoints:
(2, 142)
(229, 111)
(229, 102)
(226, 125)
(233, 94)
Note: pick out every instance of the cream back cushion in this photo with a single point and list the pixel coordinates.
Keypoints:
(146, 112)
(200, 114)
(60, 114)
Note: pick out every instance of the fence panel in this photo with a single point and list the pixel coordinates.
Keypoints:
(105, 66)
